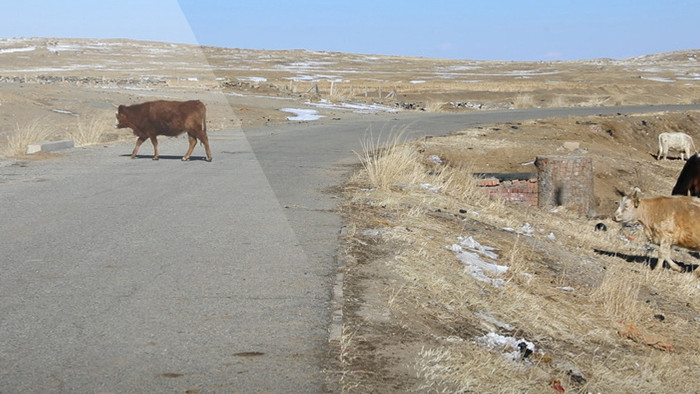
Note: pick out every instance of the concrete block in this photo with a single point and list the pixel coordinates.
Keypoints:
(50, 146)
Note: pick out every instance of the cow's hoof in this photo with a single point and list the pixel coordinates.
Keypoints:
(185, 159)
(209, 159)
(155, 158)
(133, 157)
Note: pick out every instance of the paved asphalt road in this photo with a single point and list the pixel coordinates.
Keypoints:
(124, 275)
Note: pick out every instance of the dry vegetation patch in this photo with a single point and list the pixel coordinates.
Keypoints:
(448, 290)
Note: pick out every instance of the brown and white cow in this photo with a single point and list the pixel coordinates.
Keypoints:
(170, 118)
(676, 141)
(667, 221)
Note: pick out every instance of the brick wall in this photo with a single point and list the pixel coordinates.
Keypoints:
(524, 190)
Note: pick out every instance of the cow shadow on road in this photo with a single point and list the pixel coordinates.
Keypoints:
(652, 262)
(167, 157)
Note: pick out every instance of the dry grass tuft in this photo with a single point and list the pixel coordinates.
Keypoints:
(30, 133)
(388, 163)
(90, 129)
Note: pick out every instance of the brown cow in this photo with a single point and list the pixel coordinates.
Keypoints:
(169, 118)
(666, 221)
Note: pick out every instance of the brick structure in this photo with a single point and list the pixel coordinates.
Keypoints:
(518, 188)
(566, 181)
(559, 181)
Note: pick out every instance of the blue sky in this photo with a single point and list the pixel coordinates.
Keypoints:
(479, 30)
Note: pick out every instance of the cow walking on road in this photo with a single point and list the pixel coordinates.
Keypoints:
(170, 118)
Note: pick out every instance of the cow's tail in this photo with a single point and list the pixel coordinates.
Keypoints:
(204, 125)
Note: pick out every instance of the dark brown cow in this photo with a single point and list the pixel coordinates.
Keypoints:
(688, 183)
(169, 118)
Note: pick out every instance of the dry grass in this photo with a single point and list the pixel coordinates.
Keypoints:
(387, 163)
(617, 296)
(558, 293)
(33, 132)
(91, 128)
(524, 101)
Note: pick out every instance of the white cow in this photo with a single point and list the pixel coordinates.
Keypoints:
(677, 141)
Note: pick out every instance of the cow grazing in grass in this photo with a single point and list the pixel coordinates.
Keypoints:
(170, 118)
(688, 182)
(676, 141)
(667, 221)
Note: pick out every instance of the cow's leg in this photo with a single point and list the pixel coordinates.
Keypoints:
(139, 141)
(205, 141)
(193, 143)
(154, 141)
(665, 255)
(673, 265)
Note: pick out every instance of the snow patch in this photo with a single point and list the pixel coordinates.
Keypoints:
(254, 79)
(429, 187)
(470, 253)
(513, 349)
(526, 229)
(15, 50)
(435, 159)
(356, 108)
(658, 79)
(302, 115)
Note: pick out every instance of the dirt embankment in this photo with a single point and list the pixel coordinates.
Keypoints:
(449, 290)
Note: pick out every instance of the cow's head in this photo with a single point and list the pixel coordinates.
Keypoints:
(627, 207)
(122, 120)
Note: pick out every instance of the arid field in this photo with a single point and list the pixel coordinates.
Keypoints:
(558, 307)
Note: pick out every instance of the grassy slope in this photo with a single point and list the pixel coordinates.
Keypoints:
(600, 319)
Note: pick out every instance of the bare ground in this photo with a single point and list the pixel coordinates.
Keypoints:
(412, 317)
